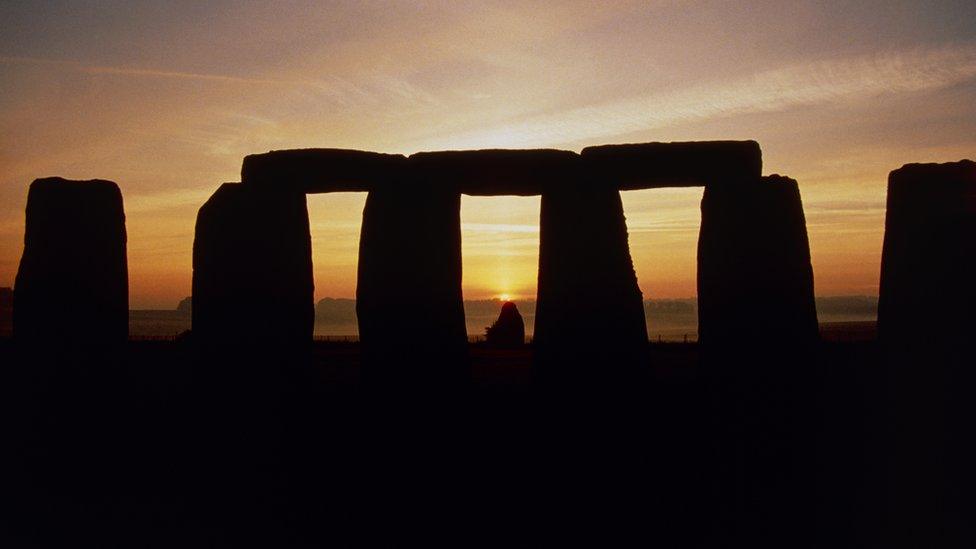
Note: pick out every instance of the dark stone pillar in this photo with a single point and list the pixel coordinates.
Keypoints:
(926, 325)
(72, 284)
(252, 268)
(928, 265)
(408, 298)
(757, 328)
(589, 328)
(6, 312)
(755, 281)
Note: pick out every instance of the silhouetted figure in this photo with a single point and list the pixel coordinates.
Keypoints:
(252, 268)
(185, 306)
(72, 284)
(410, 260)
(508, 330)
(589, 328)
(926, 325)
(6, 312)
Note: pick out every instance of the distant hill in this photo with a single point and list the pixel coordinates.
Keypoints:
(666, 318)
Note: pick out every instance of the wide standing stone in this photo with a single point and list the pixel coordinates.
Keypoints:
(590, 327)
(928, 264)
(926, 323)
(6, 312)
(755, 280)
(758, 329)
(252, 268)
(72, 284)
(408, 298)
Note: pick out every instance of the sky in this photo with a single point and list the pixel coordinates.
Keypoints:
(167, 98)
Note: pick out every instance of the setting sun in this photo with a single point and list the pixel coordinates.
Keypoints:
(504, 297)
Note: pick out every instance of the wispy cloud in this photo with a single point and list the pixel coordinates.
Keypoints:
(769, 91)
(134, 71)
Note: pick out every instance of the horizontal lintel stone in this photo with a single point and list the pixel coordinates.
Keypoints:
(521, 172)
(679, 164)
(322, 170)
(491, 172)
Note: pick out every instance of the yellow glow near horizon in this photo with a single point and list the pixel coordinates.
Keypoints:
(101, 99)
(499, 246)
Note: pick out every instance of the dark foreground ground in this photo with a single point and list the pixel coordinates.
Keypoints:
(154, 446)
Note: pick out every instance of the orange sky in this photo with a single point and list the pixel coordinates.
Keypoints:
(168, 102)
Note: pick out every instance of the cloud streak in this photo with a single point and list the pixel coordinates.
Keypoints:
(136, 72)
(768, 91)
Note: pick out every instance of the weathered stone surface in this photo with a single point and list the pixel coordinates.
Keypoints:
(322, 170)
(492, 172)
(72, 284)
(926, 325)
(755, 280)
(929, 260)
(758, 329)
(6, 312)
(589, 327)
(681, 164)
(410, 263)
(252, 268)
(509, 329)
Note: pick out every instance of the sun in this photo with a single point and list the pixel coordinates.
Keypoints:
(504, 297)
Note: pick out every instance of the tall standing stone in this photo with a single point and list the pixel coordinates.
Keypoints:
(6, 312)
(757, 328)
(926, 323)
(589, 328)
(252, 268)
(72, 284)
(755, 280)
(408, 298)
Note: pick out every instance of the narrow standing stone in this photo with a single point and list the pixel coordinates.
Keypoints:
(408, 298)
(590, 328)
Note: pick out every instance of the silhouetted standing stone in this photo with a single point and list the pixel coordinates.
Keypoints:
(757, 328)
(590, 327)
(6, 312)
(928, 265)
(926, 323)
(755, 280)
(410, 263)
(509, 329)
(252, 268)
(72, 284)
